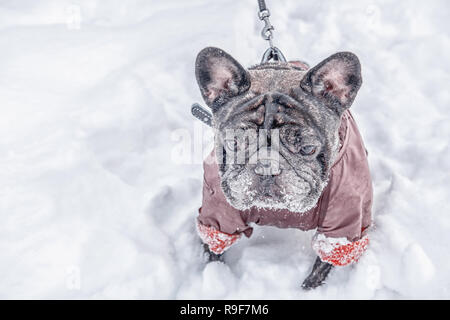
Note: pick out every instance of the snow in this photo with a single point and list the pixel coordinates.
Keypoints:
(93, 93)
(321, 243)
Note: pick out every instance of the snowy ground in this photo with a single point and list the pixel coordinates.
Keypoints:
(93, 93)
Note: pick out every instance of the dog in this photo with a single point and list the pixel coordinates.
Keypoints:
(313, 173)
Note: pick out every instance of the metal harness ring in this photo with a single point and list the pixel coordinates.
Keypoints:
(273, 53)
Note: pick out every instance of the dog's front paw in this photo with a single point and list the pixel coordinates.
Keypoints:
(318, 275)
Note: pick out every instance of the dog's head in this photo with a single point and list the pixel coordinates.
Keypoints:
(276, 126)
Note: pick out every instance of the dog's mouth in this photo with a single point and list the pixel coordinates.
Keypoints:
(285, 191)
(269, 187)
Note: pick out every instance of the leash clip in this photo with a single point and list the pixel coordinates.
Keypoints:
(266, 32)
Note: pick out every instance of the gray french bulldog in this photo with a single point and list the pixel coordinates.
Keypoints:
(304, 107)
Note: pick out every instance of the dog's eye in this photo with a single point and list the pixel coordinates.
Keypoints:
(308, 150)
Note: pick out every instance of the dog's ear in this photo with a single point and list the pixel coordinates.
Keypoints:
(335, 81)
(219, 77)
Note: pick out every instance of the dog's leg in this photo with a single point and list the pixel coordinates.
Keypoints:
(211, 256)
(318, 274)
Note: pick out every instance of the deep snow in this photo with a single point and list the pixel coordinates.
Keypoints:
(93, 95)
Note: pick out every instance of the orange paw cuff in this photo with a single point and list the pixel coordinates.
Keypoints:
(341, 254)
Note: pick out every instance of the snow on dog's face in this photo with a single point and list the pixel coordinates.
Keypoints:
(276, 126)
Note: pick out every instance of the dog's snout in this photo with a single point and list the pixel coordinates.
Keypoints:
(267, 167)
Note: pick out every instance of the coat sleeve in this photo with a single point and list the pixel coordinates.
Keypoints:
(347, 200)
(219, 225)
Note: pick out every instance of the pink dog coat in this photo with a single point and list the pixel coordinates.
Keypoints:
(341, 216)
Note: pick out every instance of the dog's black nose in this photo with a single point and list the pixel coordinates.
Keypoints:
(267, 167)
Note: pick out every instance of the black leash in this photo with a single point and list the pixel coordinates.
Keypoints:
(273, 53)
(262, 5)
